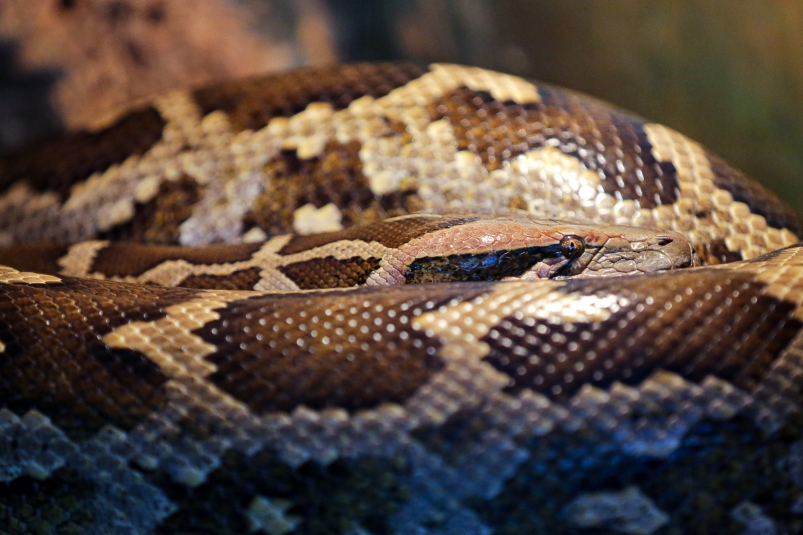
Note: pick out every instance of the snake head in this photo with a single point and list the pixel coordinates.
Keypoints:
(527, 248)
(633, 251)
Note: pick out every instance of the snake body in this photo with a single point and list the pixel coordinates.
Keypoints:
(415, 249)
(663, 403)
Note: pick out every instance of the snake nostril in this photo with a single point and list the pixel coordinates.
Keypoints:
(664, 240)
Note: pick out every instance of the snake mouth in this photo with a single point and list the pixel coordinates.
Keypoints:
(681, 250)
(696, 261)
(548, 268)
(679, 254)
(564, 268)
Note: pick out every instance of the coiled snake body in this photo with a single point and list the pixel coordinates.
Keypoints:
(663, 403)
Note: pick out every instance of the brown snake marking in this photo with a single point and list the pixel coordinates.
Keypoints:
(667, 403)
(409, 249)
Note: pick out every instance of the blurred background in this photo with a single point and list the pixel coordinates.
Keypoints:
(728, 74)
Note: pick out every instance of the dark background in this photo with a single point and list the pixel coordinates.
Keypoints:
(728, 74)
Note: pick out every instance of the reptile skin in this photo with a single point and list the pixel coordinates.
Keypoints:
(660, 403)
(413, 249)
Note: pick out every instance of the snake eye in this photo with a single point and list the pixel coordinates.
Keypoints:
(572, 246)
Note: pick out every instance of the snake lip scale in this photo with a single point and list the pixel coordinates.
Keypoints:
(225, 311)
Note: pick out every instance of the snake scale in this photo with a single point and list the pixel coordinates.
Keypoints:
(661, 403)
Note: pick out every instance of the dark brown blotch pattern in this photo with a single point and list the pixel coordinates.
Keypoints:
(717, 252)
(717, 466)
(352, 350)
(605, 140)
(694, 324)
(334, 177)
(159, 220)
(252, 103)
(242, 279)
(388, 233)
(134, 259)
(59, 164)
(335, 499)
(41, 257)
(330, 272)
(55, 362)
(754, 195)
(61, 504)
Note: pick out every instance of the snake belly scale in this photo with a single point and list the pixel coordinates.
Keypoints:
(662, 403)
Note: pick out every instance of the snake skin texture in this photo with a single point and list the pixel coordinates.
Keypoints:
(664, 403)
(415, 249)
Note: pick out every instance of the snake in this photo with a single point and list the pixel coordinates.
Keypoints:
(387, 298)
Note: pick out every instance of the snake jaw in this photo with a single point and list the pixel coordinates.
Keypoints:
(665, 253)
(544, 269)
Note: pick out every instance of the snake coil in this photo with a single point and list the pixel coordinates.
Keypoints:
(657, 404)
